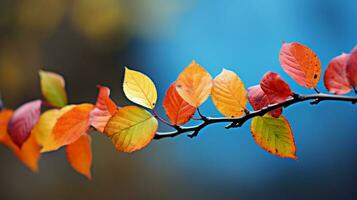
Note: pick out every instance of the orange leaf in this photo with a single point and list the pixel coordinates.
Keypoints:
(104, 109)
(72, 125)
(351, 68)
(275, 88)
(177, 109)
(258, 99)
(301, 63)
(79, 155)
(194, 84)
(335, 78)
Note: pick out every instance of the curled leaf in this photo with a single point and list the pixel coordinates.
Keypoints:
(104, 109)
(131, 128)
(275, 87)
(23, 120)
(301, 63)
(335, 78)
(79, 155)
(351, 68)
(177, 109)
(274, 135)
(228, 94)
(53, 88)
(194, 84)
(139, 88)
(258, 99)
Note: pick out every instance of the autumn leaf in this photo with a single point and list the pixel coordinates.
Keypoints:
(258, 99)
(23, 120)
(274, 135)
(29, 154)
(79, 155)
(131, 128)
(139, 88)
(228, 94)
(194, 84)
(351, 68)
(275, 87)
(53, 88)
(301, 63)
(104, 109)
(177, 109)
(72, 125)
(335, 78)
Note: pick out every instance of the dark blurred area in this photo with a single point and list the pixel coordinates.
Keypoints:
(90, 41)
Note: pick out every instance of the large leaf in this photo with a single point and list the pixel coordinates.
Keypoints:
(351, 68)
(29, 154)
(139, 88)
(335, 78)
(228, 94)
(53, 88)
(194, 84)
(301, 63)
(79, 155)
(258, 99)
(275, 87)
(23, 120)
(177, 109)
(104, 109)
(131, 128)
(72, 125)
(274, 135)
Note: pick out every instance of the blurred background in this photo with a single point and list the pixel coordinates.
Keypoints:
(90, 41)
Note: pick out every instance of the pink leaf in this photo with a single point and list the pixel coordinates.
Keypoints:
(335, 78)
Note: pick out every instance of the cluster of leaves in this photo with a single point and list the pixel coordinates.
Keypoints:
(29, 133)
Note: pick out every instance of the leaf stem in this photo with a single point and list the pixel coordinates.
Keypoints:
(161, 119)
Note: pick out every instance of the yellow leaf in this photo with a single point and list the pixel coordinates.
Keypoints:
(131, 128)
(139, 88)
(53, 88)
(228, 94)
(194, 84)
(274, 135)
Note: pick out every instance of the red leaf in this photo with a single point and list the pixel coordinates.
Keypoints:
(335, 78)
(104, 109)
(351, 68)
(275, 88)
(258, 99)
(177, 109)
(23, 120)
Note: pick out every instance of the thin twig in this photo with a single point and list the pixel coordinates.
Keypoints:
(237, 122)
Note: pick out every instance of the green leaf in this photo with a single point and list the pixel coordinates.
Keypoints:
(53, 88)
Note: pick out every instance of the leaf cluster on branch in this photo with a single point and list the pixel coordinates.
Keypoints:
(28, 133)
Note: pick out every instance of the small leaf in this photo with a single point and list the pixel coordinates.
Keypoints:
(228, 94)
(274, 135)
(194, 84)
(351, 68)
(258, 99)
(79, 155)
(72, 125)
(23, 120)
(301, 63)
(104, 109)
(177, 109)
(53, 88)
(139, 88)
(275, 87)
(335, 78)
(131, 128)
(29, 154)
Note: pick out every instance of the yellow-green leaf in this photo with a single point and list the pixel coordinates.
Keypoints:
(194, 84)
(53, 88)
(131, 128)
(228, 94)
(139, 88)
(274, 135)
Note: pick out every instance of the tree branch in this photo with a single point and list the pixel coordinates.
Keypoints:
(238, 122)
